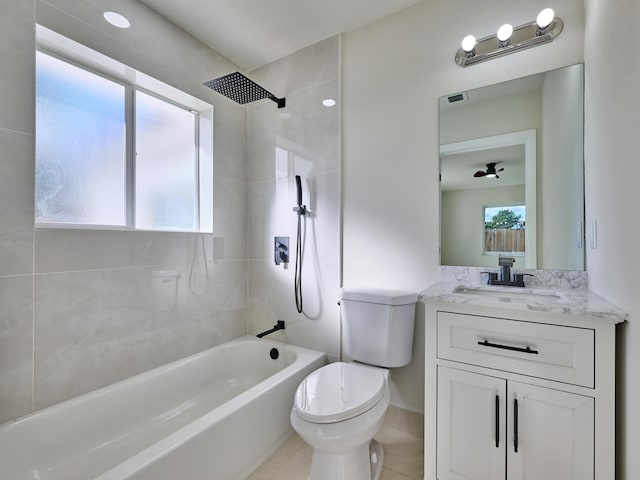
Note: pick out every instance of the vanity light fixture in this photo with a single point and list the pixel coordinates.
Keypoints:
(509, 39)
(328, 102)
(116, 19)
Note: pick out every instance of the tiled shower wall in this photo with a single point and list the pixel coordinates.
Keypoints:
(301, 139)
(80, 309)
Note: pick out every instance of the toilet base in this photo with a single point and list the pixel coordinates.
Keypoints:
(363, 462)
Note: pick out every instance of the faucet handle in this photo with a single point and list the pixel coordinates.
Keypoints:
(492, 277)
(519, 278)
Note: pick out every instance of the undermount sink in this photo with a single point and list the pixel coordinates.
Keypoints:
(511, 294)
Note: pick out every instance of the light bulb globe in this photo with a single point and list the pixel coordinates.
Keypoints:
(468, 43)
(505, 32)
(545, 17)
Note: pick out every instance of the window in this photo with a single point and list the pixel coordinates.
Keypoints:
(504, 229)
(166, 170)
(112, 154)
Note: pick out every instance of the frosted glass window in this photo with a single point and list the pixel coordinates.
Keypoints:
(166, 165)
(121, 155)
(80, 146)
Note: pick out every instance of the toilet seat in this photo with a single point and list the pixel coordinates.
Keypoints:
(338, 391)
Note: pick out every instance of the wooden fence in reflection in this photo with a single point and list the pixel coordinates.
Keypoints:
(504, 240)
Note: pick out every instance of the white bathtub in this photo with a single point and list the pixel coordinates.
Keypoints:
(214, 415)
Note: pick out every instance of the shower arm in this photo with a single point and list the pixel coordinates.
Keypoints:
(281, 102)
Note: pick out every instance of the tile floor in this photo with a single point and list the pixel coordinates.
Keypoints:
(401, 437)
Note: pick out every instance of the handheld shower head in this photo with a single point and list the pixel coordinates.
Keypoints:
(299, 188)
(300, 209)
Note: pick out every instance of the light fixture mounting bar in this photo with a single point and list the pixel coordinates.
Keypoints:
(523, 37)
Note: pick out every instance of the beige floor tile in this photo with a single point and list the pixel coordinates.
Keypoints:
(298, 466)
(405, 421)
(267, 470)
(391, 475)
(403, 453)
(403, 458)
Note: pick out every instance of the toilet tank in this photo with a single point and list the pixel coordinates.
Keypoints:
(378, 325)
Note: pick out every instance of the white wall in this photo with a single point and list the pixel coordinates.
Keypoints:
(394, 71)
(462, 223)
(512, 113)
(612, 103)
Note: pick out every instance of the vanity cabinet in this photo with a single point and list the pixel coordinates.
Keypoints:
(516, 394)
(494, 427)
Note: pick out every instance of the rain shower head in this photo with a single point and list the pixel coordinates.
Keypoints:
(241, 89)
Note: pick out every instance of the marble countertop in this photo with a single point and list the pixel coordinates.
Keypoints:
(574, 301)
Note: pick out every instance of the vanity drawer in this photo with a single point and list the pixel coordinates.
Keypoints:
(554, 352)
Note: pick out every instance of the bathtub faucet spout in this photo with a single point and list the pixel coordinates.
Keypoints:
(278, 326)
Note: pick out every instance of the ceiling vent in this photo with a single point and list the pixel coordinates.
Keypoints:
(458, 97)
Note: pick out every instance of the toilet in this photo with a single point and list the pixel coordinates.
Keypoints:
(340, 407)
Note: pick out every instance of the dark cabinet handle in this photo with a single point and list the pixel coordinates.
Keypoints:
(526, 349)
(497, 421)
(515, 425)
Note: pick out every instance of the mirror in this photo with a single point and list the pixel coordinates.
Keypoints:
(511, 173)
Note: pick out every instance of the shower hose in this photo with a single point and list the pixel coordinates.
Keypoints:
(297, 282)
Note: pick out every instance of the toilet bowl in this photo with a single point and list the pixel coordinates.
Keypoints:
(337, 410)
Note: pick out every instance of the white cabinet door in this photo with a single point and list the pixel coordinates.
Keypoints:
(555, 434)
(471, 426)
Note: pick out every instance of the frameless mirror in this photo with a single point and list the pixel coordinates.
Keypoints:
(511, 173)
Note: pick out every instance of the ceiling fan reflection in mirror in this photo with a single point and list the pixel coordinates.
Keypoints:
(491, 171)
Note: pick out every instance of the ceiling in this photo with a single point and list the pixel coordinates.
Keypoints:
(252, 33)
(457, 172)
(519, 86)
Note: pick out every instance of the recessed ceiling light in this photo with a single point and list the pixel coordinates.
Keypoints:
(116, 20)
(328, 102)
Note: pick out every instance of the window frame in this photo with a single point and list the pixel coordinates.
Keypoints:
(202, 225)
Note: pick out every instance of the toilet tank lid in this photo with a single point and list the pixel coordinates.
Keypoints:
(379, 295)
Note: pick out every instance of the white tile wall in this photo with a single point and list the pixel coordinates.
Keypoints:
(16, 198)
(18, 79)
(85, 305)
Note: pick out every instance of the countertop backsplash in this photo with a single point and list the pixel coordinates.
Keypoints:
(563, 279)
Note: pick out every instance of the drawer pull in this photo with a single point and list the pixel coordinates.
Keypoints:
(508, 347)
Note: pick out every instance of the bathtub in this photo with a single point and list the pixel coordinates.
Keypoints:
(214, 415)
